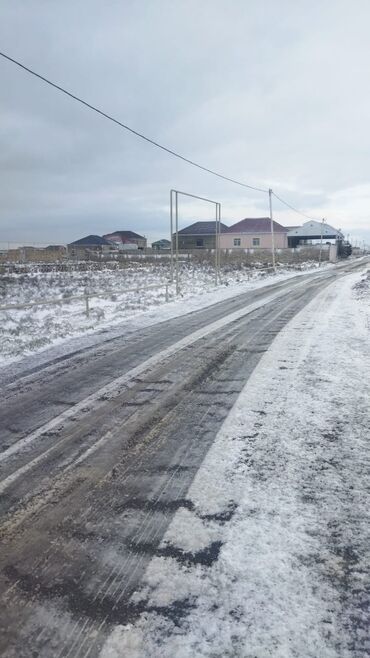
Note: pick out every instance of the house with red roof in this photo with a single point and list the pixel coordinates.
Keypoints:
(254, 233)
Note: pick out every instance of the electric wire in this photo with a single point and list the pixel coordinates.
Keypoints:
(299, 212)
(128, 128)
(148, 139)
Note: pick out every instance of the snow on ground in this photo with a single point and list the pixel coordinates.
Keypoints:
(26, 331)
(270, 557)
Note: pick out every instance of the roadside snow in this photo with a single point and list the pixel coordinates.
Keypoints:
(275, 538)
(27, 331)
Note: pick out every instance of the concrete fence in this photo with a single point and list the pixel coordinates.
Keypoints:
(62, 258)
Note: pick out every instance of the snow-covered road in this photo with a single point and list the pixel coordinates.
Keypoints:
(185, 488)
(270, 554)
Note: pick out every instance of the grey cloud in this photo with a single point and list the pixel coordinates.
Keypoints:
(262, 91)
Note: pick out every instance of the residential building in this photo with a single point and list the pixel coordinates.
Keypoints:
(55, 252)
(254, 233)
(127, 246)
(200, 235)
(161, 245)
(91, 245)
(311, 232)
(126, 237)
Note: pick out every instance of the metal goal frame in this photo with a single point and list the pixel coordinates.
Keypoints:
(174, 211)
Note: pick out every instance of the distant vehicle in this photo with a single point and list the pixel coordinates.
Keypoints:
(344, 249)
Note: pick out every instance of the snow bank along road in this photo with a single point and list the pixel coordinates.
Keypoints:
(98, 450)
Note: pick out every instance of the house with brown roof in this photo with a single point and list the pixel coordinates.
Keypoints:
(254, 233)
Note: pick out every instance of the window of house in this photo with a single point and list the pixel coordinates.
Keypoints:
(236, 242)
(256, 242)
(199, 243)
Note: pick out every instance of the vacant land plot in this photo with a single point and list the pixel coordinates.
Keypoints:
(123, 293)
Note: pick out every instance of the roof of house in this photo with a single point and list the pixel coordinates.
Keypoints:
(163, 241)
(124, 235)
(91, 241)
(202, 228)
(55, 247)
(256, 225)
(314, 229)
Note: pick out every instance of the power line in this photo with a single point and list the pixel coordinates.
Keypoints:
(299, 212)
(131, 130)
(148, 139)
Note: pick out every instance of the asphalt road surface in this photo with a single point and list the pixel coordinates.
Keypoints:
(97, 451)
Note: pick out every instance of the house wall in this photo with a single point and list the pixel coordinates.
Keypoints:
(114, 237)
(87, 252)
(333, 252)
(190, 241)
(33, 255)
(141, 243)
(163, 243)
(246, 240)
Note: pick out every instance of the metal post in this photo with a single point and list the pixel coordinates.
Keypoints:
(171, 233)
(87, 304)
(218, 207)
(177, 242)
(219, 243)
(272, 232)
(216, 244)
(166, 292)
(175, 247)
(322, 229)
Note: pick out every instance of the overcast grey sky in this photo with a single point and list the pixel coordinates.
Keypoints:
(272, 92)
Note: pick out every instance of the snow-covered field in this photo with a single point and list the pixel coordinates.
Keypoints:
(275, 537)
(29, 330)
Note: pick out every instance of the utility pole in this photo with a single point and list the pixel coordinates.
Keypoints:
(171, 233)
(272, 232)
(217, 243)
(177, 242)
(322, 229)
